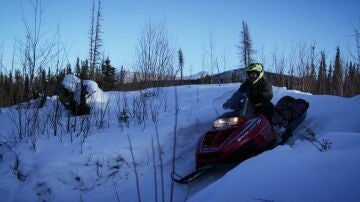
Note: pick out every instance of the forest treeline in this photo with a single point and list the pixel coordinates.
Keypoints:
(158, 63)
(337, 79)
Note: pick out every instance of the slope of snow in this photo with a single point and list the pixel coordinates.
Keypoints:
(294, 173)
(101, 168)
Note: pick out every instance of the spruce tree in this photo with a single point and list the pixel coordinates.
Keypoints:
(329, 80)
(9, 88)
(26, 88)
(321, 81)
(350, 81)
(312, 74)
(122, 75)
(181, 64)
(245, 46)
(95, 41)
(84, 73)
(43, 83)
(17, 97)
(108, 73)
(91, 36)
(337, 80)
(77, 68)
(2, 90)
(68, 69)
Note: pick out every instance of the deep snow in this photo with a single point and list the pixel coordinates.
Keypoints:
(103, 171)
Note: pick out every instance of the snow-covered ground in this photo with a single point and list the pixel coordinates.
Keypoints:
(101, 167)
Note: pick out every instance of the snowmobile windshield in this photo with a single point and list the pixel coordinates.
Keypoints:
(243, 107)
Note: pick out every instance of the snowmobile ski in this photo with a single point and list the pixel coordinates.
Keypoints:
(191, 176)
(322, 146)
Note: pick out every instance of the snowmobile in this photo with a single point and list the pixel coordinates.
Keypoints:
(240, 134)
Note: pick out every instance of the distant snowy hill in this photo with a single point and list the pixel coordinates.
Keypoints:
(228, 75)
(100, 165)
(198, 75)
(128, 76)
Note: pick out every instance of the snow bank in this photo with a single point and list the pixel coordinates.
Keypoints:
(71, 82)
(296, 171)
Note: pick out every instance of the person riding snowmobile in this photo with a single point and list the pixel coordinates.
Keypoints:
(258, 89)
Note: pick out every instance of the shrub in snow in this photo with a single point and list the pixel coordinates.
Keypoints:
(17, 171)
(73, 93)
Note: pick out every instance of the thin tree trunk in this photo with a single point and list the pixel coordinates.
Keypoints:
(135, 169)
(174, 143)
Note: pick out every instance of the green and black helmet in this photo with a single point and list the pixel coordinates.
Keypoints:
(255, 67)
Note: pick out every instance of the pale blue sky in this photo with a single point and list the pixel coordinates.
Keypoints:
(272, 23)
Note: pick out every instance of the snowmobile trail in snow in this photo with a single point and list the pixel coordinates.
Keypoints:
(300, 129)
(187, 139)
(208, 178)
(191, 176)
(185, 158)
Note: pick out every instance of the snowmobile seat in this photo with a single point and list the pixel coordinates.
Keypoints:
(290, 108)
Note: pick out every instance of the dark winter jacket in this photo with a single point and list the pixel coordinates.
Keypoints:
(260, 95)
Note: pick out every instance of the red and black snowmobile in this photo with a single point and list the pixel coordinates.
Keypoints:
(238, 135)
